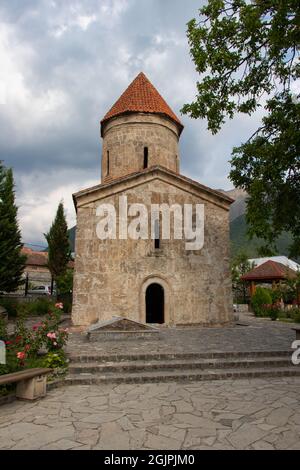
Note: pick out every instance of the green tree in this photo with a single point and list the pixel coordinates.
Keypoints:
(291, 289)
(240, 265)
(12, 262)
(247, 54)
(64, 285)
(65, 282)
(58, 244)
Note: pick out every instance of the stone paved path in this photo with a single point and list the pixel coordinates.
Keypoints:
(241, 414)
(251, 334)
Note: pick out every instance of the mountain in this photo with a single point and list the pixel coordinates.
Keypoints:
(238, 207)
(240, 241)
(238, 229)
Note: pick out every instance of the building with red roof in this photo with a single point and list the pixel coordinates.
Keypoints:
(141, 97)
(270, 272)
(36, 266)
(149, 279)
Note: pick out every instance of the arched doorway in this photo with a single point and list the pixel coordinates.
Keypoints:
(155, 304)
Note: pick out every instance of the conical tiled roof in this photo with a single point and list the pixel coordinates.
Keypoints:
(141, 96)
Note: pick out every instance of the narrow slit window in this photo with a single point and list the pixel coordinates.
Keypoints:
(194, 221)
(107, 162)
(156, 233)
(145, 157)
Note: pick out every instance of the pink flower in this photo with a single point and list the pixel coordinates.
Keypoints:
(59, 305)
(20, 355)
(36, 326)
(51, 335)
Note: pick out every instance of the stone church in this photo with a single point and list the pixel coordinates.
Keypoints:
(158, 280)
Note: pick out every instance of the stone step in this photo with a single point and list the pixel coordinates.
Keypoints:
(132, 366)
(104, 358)
(180, 376)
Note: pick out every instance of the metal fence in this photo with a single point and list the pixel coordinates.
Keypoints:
(28, 291)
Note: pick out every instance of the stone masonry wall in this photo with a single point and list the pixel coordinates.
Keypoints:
(126, 136)
(111, 276)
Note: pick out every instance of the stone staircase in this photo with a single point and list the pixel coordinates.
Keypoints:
(179, 367)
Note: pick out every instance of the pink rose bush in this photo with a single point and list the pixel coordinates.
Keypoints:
(57, 339)
(27, 342)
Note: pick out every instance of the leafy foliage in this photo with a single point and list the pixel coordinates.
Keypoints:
(55, 360)
(260, 298)
(10, 305)
(12, 262)
(240, 241)
(247, 54)
(240, 265)
(38, 307)
(295, 315)
(26, 342)
(64, 282)
(3, 329)
(272, 311)
(25, 345)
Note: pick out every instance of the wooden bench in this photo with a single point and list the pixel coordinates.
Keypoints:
(297, 329)
(31, 383)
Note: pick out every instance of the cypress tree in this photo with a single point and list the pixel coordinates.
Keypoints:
(12, 261)
(58, 244)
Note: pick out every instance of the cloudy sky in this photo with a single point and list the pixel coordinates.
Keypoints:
(63, 63)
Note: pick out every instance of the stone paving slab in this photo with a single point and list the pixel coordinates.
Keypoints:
(232, 414)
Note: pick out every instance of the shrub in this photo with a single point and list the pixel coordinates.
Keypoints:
(295, 315)
(12, 365)
(64, 282)
(10, 305)
(273, 311)
(23, 348)
(3, 330)
(65, 289)
(56, 339)
(27, 342)
(55, 360)
(276, 295)
(66, 299)
(260, 298)
(39, 307)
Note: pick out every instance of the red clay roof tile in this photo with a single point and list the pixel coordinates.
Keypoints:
(141, 96)
(268, 271)
(39, 258)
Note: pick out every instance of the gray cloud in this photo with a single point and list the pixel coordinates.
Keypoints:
(63, 65)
